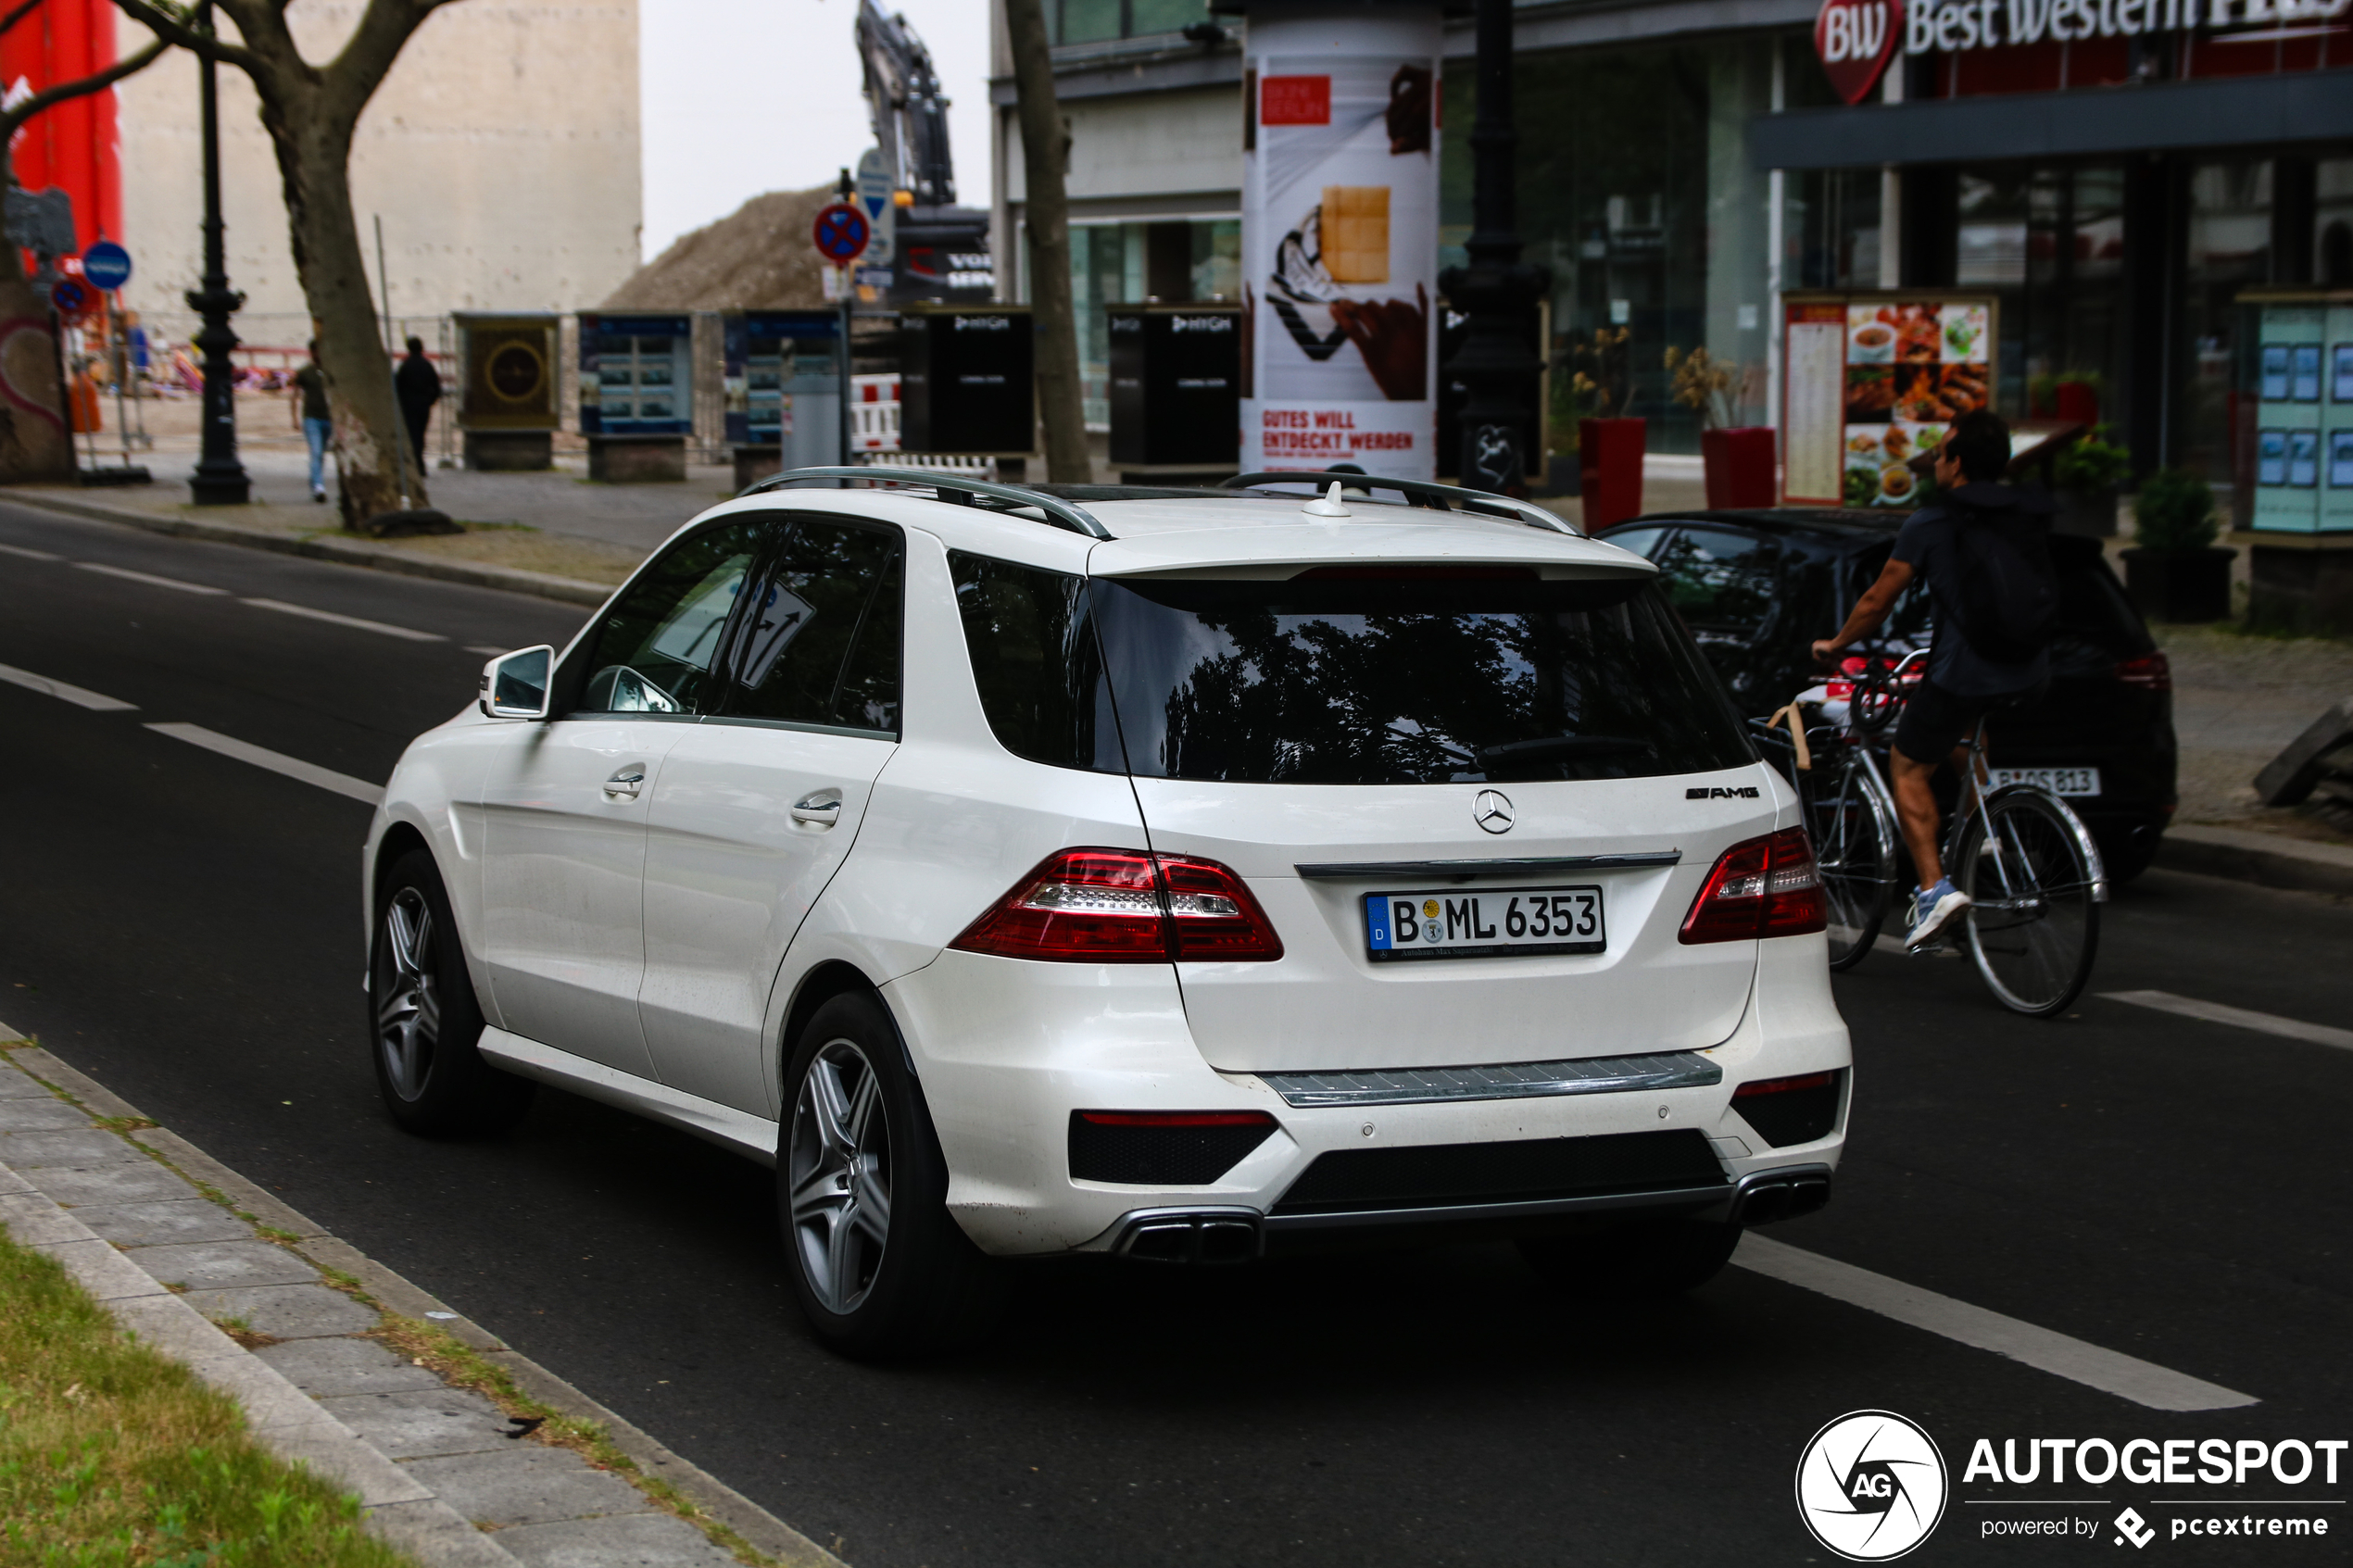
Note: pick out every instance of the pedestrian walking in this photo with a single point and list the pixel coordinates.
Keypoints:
(308, 397)
(1983, 549)
(418, 385)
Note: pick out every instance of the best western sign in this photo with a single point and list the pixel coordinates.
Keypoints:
(1857, 37)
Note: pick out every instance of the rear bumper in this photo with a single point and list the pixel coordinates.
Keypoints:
(1007, 1050)
(1233, 1234)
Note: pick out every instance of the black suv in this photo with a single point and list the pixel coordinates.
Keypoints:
(1758, 587)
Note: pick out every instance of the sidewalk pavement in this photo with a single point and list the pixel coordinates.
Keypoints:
(172, 1244)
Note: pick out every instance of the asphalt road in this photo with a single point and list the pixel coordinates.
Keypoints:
(186, 927)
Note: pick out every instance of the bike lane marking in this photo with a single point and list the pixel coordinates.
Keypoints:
(2110, 1371)
(331, 618)
(2241, 1018)
(128, 575)
(97, 702)
(276, 761)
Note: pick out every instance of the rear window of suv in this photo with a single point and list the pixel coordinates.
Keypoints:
(1424, 678)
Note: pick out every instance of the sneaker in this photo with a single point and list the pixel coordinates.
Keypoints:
(1934, 910)
(320, 494)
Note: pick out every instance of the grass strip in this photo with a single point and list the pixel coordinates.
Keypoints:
(113, 1455)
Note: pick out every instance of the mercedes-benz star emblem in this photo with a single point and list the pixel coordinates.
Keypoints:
(1493, 810)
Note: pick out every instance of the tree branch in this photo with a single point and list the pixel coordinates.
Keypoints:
(166, 24)
(51, 97)
(19, 15)
(384, 29)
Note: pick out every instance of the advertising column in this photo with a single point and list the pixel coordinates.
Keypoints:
(1340, 236)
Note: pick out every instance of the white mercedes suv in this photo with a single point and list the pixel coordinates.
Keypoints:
(1183, 875)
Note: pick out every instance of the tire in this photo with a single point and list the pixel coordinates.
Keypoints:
(424, 1020)
(1640, 1262)
(880, 1267)
(1853, 826)
(2033, 920)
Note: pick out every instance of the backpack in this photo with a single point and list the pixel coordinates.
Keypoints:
(2005, 587)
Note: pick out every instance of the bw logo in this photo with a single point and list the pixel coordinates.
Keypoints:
(2130, 1526)
(1870, 1486)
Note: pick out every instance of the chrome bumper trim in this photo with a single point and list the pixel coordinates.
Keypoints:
(1417, 1085)
(1465, 870)
(1715, 1195)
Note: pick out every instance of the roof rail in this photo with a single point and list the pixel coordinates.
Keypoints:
(1418, 492)
(955, 490)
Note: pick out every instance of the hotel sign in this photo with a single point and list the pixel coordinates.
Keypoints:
(1857, 37)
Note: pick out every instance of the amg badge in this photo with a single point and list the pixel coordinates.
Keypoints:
(1720, 792)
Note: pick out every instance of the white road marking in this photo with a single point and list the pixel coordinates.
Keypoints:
(486, 650)
(81, 696)
(2215, 1012)
(2110, 1371)
(28, 555)
(148, 577)
(351, 621)
(276, 761)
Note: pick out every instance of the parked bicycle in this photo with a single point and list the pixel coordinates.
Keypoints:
(2027, 862)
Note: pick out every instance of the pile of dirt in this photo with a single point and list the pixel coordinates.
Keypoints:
(758, 257)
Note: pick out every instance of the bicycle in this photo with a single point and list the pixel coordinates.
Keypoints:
(2032, 872)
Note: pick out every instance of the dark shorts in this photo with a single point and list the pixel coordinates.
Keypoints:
(1935, 721)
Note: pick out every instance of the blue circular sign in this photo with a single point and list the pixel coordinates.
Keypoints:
(107, 265)
(72, 296)
(842, 233)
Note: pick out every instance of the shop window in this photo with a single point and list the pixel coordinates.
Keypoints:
(2230, 249)
(2332, 222)
(1098, 21)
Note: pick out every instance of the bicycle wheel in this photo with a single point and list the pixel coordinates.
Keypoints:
(1853, 826)
(2033, 882)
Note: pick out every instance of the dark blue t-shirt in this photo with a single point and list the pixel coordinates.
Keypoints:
(1930, 545)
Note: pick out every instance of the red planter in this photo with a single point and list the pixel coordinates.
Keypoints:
(1609, 454)
(1740, 465)
(2079, 402)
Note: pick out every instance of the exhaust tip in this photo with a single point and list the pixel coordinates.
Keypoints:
(1772, 1196)
(1217, 1236)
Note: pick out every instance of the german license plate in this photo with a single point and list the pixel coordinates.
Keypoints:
(1513, 922)
(2058, 781)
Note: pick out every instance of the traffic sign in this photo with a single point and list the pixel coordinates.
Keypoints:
(107, 265)
(72, 296)
(878, 199)
(842, 232)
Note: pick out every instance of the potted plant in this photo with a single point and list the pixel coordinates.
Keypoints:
(2174, 570)
(1609, 444)
(1738, 461)
(2089, 474)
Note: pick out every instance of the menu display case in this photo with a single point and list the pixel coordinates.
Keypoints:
(1871, 381)
(2294, 431)
(637, 374)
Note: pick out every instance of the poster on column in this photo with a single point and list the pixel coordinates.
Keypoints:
(1340, 242)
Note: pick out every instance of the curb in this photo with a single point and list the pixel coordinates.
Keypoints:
(2264, 859)
(401, 1510)
(346, 552)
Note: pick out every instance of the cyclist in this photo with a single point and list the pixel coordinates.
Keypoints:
(1983, 549)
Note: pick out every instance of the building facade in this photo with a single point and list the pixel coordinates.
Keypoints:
(2115, 172)
(501, 154)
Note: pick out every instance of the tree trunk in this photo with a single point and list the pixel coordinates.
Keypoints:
(1045, 146)
(372, 450)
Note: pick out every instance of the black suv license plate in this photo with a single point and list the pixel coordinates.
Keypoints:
(1497, 923)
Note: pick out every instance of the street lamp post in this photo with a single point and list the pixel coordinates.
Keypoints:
(220, 479)
(1496, 363)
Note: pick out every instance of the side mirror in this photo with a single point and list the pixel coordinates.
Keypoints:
(514, 685)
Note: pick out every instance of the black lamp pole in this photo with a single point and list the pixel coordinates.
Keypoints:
(220, 479)
(1497, 363)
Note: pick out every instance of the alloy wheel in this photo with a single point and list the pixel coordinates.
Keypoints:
(840, 1176)
(407, 994)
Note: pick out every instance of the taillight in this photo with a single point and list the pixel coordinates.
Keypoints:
(1782, 1086)
(2150, 671)
(1123, 906)
(1760, 887)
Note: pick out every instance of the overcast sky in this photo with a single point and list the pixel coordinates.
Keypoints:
(741, 96)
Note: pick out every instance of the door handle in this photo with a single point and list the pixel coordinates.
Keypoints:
(822, 810)
(623, 785)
